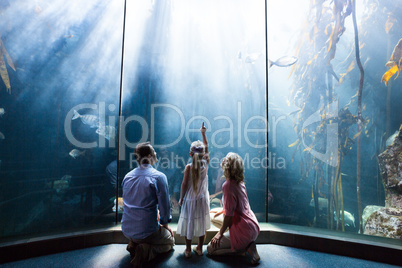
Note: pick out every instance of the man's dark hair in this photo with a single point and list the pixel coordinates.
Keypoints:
(142, 151)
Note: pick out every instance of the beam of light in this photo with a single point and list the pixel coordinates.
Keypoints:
(206, 51)
(71, 47)
(205, 41)
(192, 54)
(284, 28)
(138, 13)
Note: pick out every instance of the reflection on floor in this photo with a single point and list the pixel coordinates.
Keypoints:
(115, 255)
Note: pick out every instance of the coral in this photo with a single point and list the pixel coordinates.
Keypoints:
(386, 222)
(367, 213)
(390, 162)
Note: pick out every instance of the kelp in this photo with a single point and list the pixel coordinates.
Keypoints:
(394, 63)
(312, 92)
(359, 116)
(3, 68)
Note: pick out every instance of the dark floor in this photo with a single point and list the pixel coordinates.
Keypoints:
(115, 255)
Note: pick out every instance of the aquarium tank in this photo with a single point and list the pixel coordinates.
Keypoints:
(308, 96)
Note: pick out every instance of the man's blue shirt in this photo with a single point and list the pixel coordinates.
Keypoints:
(145, 190)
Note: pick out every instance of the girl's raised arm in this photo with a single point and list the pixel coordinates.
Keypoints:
(203, 129)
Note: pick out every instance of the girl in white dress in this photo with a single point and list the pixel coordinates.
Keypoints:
(194, 197)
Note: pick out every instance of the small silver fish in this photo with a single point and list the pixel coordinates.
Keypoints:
(60, 185)
(2, 112)
(391, 138)
(88, 119)
(251, 58)
(322, 203)
(348, 218)
(2, 137)
(66, 177)
(108, 132)
(284, 61)
(76, 153)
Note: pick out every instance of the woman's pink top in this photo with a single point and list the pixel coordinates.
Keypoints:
(244, 229)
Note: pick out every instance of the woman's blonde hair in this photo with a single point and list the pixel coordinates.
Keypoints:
(197, 151)
(233, 167)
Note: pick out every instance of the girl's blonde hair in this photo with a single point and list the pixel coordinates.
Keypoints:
(197, 151)
(233, 167)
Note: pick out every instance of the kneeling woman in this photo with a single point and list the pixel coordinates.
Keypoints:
(238, 216)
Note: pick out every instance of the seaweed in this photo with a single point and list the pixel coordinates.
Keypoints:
(313, 92)
(359, 115)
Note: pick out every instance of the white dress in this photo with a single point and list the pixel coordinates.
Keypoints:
(194, 217)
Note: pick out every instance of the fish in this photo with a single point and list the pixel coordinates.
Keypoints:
(76, 153)
(349, 219)
(108, 132)
(60, 185)
(284, 61)
(394, 63)
(2, 137)
(66, 177)
(322, 203)
(2, 112)
(88, 119)
(391, 138)
(251, 58)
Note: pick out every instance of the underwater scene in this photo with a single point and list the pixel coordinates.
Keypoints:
(335, 116)
(309, 97)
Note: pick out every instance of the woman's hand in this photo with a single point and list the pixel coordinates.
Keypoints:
(180, 201)
(218, 213)
(216, 240)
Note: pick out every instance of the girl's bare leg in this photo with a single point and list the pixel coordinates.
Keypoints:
(188, 245)
(200, 242)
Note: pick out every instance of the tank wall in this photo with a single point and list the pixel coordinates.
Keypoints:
(64, 83)
(315, 105)
(58, 57)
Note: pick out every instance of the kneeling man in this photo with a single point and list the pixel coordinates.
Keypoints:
(145, 191)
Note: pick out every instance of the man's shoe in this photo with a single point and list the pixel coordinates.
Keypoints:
(139, 257)
(131, 248)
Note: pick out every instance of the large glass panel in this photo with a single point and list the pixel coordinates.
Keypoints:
(342, 169)
(59, 95)
(188, 62)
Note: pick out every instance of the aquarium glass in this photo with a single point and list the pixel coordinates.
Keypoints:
(58, 57)
(189, 62)
(336, 129)
(83, 82)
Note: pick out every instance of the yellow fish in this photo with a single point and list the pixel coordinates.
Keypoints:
(394, 63)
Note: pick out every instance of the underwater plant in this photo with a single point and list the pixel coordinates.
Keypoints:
(359, 117)
(313, 91)
(3, 68)
(394, 63)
